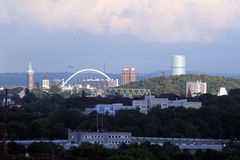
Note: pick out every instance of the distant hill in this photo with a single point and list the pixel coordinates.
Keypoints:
(177, 84)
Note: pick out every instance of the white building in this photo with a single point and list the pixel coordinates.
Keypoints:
(222, 92)
(45, 83)
(107, 139)
(144, 106)
(196, 88)
(151, 101)
(111, 109)
(178, 65)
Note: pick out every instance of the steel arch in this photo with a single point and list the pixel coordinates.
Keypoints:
(85, 70)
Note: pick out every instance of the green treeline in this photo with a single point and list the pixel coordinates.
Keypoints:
(177, 84)
(145, 151)
(51, 116)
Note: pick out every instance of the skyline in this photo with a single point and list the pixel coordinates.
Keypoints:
(144, 34)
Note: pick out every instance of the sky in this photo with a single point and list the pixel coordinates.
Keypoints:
(56, 34)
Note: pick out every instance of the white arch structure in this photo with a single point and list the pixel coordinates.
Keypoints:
(86, 70)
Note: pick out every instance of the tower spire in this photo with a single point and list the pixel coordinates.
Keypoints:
(30, 70)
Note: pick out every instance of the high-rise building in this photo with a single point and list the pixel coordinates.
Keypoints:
(178, 65)
(128, 75)
(30, 77)
(195, 88)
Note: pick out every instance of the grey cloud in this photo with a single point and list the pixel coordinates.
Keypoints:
(164, 21)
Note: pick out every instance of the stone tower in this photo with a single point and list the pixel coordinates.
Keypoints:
(30, 77)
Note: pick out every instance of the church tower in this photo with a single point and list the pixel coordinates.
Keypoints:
(30, 77)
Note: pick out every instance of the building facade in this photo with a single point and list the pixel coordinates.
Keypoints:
(98, 84)
(30, 77)
(111, 109)
(45, 83)
(114, 139)
(196, 88)
(56, 82)
(150, 102)
(222, 92)
(178, 65)
(128, 75)
(144, 106)
(107, 139)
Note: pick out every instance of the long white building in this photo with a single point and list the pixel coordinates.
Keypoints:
(150, 102)
(107, 139)
(144, 106)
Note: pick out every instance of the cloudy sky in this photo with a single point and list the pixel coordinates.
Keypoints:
(56, 34)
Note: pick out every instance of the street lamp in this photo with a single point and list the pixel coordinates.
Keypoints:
(4, 131)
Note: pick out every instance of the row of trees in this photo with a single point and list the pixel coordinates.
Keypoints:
(51, 116)
(143, 151)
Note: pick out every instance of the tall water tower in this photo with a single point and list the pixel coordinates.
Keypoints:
(178, 65)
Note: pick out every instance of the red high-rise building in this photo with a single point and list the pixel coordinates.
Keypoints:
(128, 75)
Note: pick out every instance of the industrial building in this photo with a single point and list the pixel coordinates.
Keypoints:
(107, 139)
(178, 65)
(114, 139)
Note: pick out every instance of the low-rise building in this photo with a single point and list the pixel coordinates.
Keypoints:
(111, 109)
(19, 91)
(144, 106)
(222, 92)
(107, 139)
(12, 94)
(195, 105)
(150, 102)
(114, 139)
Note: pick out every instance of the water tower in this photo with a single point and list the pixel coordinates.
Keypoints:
(178, 65)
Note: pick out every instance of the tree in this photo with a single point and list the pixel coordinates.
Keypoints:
(44, 149)
(16, 149)
(83, 94)
(55, 90)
